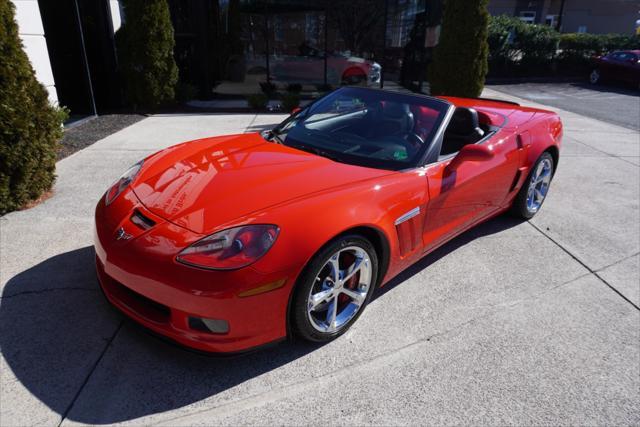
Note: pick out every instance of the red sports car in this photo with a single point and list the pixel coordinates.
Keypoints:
(227, 243)
(623, 66)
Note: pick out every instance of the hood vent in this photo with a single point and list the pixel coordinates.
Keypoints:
(142, 221)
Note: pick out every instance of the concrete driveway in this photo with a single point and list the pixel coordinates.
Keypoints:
(512, 323)
(611, 102)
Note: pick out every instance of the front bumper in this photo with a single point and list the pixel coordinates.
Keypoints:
(139, 275)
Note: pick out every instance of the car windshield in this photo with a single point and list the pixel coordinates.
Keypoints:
(368, 127)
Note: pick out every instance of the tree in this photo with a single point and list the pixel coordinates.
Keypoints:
(145, 45)
(459, 64)
(29, 126)
(360, 23)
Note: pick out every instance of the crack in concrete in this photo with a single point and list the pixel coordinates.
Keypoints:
(42, 291)
(622, 158)
(594, 272)
(617, 262)
(91, 371)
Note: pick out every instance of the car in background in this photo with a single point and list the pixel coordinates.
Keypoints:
(342, 68)
(623, 66)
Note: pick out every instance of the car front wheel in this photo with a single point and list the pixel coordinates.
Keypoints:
(334, 289)
(595, 77)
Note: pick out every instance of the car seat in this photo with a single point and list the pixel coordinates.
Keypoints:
(464, 128)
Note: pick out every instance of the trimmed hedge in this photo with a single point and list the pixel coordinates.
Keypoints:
(513, 42)
(145, 45)
(459, 64)
(516, 47)
(29, 126)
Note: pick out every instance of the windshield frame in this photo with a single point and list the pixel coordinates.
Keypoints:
(419, 158)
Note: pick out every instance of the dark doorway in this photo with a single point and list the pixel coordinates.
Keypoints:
(83, 61)
(62, 31)
(99, 42)
(198, 46)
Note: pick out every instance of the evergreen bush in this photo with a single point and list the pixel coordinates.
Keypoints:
(459, 64)
(29, 126)
(145, 45)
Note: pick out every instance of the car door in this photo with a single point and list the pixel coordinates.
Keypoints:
(475, 190)
(616, 66)
(629, 64)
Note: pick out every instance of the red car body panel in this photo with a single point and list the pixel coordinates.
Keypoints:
(194, 189)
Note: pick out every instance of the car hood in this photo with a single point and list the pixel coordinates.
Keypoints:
(205, 184)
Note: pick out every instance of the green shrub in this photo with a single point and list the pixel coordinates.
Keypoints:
(29, 126)
(502, 32)
(581, 44)
(145, 52)
(587, 45)
(459, 64)
(612, 42)
(268, 88)
(290, 101)
(513, 42)
(258, 101)
(538, 44)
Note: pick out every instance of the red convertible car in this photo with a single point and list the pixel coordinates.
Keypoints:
(228, 243)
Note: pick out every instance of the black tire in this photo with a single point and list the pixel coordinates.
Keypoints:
(519, 208)
(301, 324)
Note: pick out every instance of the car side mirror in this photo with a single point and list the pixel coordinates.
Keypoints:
(470, 153)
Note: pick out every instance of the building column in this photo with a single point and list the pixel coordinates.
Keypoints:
(33, 39)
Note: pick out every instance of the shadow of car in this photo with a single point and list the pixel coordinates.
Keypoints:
(57, 334)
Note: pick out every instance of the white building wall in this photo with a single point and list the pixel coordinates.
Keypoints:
(35, 45)
(116, 16)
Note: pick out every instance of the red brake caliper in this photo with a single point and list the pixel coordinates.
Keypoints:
(351, 284)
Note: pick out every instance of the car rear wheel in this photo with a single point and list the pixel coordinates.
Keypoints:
(595, 77)
(334, 289)
(535, 189)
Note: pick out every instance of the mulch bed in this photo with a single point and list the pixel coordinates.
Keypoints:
(81, 136)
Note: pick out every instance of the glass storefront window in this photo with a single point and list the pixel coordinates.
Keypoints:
(243, 47)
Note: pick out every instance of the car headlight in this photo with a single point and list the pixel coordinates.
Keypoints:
(232, 248)
(123, 182)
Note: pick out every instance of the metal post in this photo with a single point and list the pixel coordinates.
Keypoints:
(266, 40)
(384, 43)
(561, 13)
(85, 60)
(326, 26)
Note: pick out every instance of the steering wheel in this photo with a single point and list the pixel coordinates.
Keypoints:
(415, 140)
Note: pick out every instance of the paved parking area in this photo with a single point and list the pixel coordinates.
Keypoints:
(611, 102)
(513, 322)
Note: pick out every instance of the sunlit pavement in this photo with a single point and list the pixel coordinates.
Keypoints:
(513, 322)
(612, 102)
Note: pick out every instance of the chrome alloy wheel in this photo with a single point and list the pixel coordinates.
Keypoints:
(339, 289)
(539, 185)
(594, 77)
